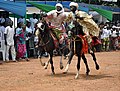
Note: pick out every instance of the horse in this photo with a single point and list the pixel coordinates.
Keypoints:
(46, 42)
(76, 46)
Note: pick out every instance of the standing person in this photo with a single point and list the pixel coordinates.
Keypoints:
(21, 42)
(2, 19)
(22, 20)
(33, 21)
(114, 37)
(2, 29)
(9, 41)
(29, 39)
(7, 19)
(106, 38)
(55, 18)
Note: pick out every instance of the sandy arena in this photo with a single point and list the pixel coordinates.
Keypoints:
(31, 76)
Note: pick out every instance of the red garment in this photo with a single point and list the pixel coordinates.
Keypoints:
(56, 43)
(95, 41)
(21, 50)
(84, 44)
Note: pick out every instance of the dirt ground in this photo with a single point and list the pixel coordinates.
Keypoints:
(31, 76)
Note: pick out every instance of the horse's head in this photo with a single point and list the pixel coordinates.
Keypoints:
(75, 29)
(42, 28)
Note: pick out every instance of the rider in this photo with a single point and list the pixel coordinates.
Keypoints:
(55, 18)
(85, 20)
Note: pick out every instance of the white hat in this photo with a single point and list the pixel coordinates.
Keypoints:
(60, 5)
(74, 4)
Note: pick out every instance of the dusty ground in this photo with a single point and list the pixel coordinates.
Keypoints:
(30, 76)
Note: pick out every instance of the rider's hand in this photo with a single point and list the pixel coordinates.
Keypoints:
(44, 15)
(78, 17)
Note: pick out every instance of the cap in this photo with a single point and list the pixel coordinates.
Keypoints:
(74, 4)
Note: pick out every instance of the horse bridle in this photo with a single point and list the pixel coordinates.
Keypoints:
(73, 38)
(43, 44)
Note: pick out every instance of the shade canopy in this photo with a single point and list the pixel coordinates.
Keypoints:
(43, 7)
(14, 7)
(107, 14)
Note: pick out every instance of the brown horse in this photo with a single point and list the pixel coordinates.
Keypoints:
(46, 42)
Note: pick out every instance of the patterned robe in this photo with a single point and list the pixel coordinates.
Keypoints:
(89, 26)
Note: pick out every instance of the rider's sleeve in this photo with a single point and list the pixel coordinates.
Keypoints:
(84, 15)
(89, 25)
(50, 14)
(68, 18)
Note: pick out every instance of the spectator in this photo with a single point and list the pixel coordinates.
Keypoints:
(29, 40)
(106, 36)
(21, 19)
(2, 20)
(7, 19)
(21, 42)
(114, 37)
(2, 28)
(9, 41)
(33, 21)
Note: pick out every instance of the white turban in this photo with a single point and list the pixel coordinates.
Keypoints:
(60, 5)
(74, 4)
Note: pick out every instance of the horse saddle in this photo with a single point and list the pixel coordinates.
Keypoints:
(56, 41)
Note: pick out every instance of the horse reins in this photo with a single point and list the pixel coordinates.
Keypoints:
(44, 44)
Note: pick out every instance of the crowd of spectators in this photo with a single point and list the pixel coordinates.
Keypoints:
(109, 36)
(20, 42)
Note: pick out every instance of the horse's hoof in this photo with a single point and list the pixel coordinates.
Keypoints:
(97, 67)
(87, 73)
(61, 66)
(64, 72)
(43, 64)
(53, 73)
(45, 67)
(77, 76)
(65, 57)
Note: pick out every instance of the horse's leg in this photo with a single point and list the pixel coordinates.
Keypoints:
(51, 62)
(91, 51)
(66, 51)
(86, 64)
(39, 57)
(46, 64)
(71, 54)
(94, 58)
(78, 66)
(61, 63)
